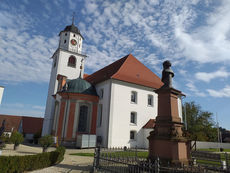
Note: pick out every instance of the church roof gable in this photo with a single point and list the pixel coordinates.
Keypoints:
(150, 124)
(127, 69)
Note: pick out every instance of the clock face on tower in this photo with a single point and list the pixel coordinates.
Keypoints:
(73, 42)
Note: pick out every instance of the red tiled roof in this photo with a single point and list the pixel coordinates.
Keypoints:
(127, 69)
(32, 124)
(150, 124)
(85, 75)
(12, 122)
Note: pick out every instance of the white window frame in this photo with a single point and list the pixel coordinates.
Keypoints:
(151, 97)
(135, 118)
(134, 135)
(134, 93)
(99, 115)
(101, 93)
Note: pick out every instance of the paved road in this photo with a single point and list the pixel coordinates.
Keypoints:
(70, 164)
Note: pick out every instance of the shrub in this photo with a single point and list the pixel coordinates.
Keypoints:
(18, 164)
(5, 138)
(2, 142)
(16, 138)
(46, 141)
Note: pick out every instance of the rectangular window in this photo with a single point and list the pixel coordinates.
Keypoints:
(101, 93)
(134, 97)
(99, 115)
(150, 100)
(132, 135)
(133, 118)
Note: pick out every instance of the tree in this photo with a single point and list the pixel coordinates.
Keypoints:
(200, 124)
(16, 138)
(46, 141)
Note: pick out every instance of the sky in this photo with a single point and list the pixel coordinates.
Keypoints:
(194, 35)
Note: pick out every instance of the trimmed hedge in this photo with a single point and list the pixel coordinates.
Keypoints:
(18, 164)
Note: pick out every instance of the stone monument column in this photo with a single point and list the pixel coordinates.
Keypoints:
(166, 141)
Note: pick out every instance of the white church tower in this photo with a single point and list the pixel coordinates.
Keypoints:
(68, 61)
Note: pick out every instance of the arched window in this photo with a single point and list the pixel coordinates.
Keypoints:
(72, 61)
(83, 116)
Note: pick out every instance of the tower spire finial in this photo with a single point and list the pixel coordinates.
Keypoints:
(73, 18)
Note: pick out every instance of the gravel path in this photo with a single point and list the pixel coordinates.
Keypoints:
(70, 164)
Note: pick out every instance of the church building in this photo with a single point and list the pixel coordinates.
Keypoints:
(115, 106)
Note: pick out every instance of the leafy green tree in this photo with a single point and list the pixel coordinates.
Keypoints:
(16, 138)
(200, 124)
(46, 141)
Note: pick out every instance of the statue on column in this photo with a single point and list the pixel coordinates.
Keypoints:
(167, 75)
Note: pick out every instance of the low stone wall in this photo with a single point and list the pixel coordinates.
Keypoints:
(200, 145)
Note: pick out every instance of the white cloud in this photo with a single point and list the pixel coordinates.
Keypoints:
(22, 109)
(209, 43)
(194, 90)
(72, 4)
(207, 77)
(225, 92)
(90, 6)
(39, 107)
(24, 57)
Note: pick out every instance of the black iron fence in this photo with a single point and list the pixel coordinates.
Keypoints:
(120, 160)
(211, 161)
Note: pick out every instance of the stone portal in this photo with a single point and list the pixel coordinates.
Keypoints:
(166, 141)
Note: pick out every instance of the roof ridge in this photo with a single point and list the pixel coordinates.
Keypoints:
(128, 69)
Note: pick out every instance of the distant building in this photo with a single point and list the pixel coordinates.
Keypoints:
(31, 126)
(117, 103)
(28, 126)
(13, 123)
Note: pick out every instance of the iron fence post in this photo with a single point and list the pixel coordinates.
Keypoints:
(136, 153)
(157, 165)
(226, 159)
(96, 159)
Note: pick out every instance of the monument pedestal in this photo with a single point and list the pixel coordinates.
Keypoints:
(167, 141)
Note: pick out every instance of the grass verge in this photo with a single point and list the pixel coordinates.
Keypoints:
(140, 154)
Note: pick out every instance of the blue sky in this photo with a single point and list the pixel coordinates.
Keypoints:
(194, 35)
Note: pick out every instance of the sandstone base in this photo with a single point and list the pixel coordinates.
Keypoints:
(169, 150)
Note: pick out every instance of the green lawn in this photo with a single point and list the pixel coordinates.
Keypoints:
(213, 150)
(140, 154)
(222, 154)
(83, 154)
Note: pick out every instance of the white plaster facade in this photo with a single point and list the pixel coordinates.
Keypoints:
(60, 66)
(117, 107)
(102, 130)
(65, 42)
